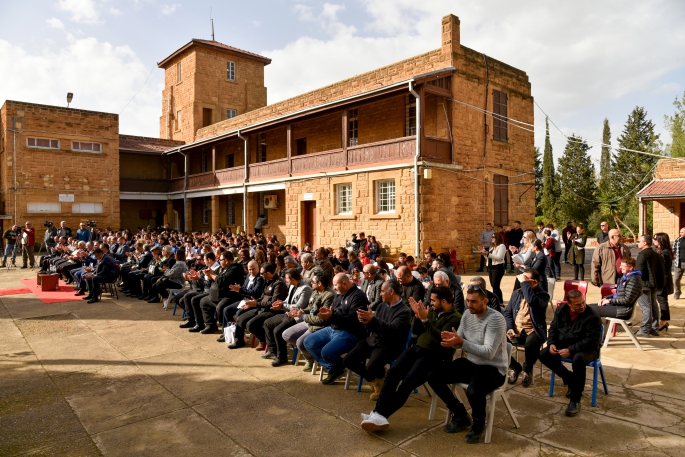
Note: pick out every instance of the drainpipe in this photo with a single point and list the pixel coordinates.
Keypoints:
(245, 176)
(14, 166)
(416, 170)
(185, 189)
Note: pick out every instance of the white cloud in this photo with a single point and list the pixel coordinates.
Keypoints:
(327, 19)
(169, 9)
(102, 77)
(83, 11)
(56, 23)
(114, 12)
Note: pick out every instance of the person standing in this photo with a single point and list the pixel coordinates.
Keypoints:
(662, 245)
(651, 265)
(28, 234)
(10, 237)
(603, 235)
(566, 234)
(495, 256)
(261, 221)
(679, 261)
(514, 237)
(558, 250)
(540, 232)
(82, 233)
(577, 242)
(485, 238)
(606, 260)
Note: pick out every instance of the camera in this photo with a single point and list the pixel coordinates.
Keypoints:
(47, 224)
(91, 224)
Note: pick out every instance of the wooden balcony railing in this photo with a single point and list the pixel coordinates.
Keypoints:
(325, 160)
(201, 180)
(143, 185)
(382, 151)
(269, 169)
(230, 175)
(436, 149)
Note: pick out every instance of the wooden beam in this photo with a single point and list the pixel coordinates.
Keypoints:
(422, 127)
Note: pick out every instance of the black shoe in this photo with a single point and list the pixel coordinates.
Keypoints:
(188, 324)
(87, 297)
(513, 375)
(209, 328)
(457, 424)
(268, 355)
(195, 329)
(236, 345)
(479, 271)
(654, 333)
(278, 362)
(332, 377)
(155, 300)
(143, 297)
(93, 300)
(527, 379)
(473, 436)
(24, 267)
(80, 292)
(221, 339)
(573, 409)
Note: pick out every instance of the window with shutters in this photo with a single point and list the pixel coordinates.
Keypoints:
(42, 143)
(501, 191)
(86, 208)
(353, 127)
(206, 210)
(230, 210)
(230, 71)
(344, 199)
(499, 116)
(261, 147)
(43, 207)
(86, 146)
(231, 113)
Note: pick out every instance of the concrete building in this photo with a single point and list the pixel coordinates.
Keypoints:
(418, 153)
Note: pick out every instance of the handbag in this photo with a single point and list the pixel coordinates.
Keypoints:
(151, 269)
(229, 333)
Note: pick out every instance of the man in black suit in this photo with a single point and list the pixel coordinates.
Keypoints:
(105, 272)
(371, 286)
(651, 265)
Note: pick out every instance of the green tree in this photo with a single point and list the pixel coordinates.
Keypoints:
(676, 126)
(605, 160)
(538, 182)
(577, 186)
(548, 199)
(631, 170)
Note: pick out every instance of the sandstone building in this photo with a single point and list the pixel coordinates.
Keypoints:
(321, 166)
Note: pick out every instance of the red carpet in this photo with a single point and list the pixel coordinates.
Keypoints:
(65, 292)
(14, 291)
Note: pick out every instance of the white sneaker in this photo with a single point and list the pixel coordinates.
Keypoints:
(375, 422)
(365, 417)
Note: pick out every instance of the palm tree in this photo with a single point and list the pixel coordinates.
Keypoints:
(609, 204)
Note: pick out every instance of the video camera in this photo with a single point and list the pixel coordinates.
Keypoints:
(47, 224)
(92, 224)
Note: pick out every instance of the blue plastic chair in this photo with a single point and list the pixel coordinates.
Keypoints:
(597, 366)
(173, 313)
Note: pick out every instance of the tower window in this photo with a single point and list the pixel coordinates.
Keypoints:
(230, 71)
(178, 72)
(231, 113)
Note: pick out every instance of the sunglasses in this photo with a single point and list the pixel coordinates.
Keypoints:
(474, 288)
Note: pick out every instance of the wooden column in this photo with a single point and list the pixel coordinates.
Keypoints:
(289, 148)
(345, 133)
(422, 121)
(213, 158)
(215, 213)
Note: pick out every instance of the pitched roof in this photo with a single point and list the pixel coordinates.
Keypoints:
(215, 45)
(663, 189)
(145, 144)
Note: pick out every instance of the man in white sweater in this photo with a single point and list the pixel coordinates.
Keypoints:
(482, 335)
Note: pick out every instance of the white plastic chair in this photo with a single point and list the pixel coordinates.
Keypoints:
(611, 324)
(493, 396)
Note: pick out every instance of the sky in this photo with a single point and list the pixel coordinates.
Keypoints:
(586, 60)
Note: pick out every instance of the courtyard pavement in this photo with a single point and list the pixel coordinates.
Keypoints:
(119, 378)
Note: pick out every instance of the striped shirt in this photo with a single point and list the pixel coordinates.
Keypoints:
(485, 340)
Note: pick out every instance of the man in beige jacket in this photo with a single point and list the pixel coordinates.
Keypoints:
(606, 260)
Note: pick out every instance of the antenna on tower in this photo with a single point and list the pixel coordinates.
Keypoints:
(211, 21)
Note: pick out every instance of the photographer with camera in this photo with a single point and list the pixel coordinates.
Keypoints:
(49, 236)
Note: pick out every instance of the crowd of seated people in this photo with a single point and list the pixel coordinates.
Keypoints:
(394, 324)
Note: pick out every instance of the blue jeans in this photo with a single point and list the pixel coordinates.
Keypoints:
(9, 249)
(327, 347)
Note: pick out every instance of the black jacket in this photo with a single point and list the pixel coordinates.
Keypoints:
(651, 265)
(580, 335)
(276, 289)
(540, 265)
(107, 268)
(374, 291)
(628, 291)
(537, 304)
(344, 316)
(457, 301)
(390, 326)
(413, 290)
(233, 274)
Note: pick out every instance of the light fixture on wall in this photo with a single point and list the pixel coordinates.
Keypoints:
(70, 97)
(671, 209)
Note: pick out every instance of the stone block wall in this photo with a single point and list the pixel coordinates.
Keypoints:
(44, 174)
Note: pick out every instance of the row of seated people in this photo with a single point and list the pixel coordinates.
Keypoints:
(366, 328)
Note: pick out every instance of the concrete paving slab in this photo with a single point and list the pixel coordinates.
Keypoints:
(182, 433)
(140, 339)
(51, 327)
(27, 305)
(78, 448)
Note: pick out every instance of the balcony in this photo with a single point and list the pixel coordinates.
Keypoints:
(233, 175)
(176, 184)
(396, 150)
(144, 185)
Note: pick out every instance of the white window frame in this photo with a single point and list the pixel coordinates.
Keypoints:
(43, 207)
(230, 70)
(385, 196)
(179, 72)
(87, 208)
(78, 146)
(343, 199)
(231, 113)
(35, 141)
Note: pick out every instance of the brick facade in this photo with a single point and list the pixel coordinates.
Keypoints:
(667, 215)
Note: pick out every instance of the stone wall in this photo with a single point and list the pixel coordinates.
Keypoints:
(44, 174)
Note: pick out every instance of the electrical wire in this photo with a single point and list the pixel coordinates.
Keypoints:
(141, 88)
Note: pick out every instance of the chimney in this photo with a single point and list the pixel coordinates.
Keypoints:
(450, 34)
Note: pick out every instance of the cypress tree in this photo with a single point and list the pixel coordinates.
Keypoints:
(605, 160)
(538, 182)
(549, 194)
(576, 175)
